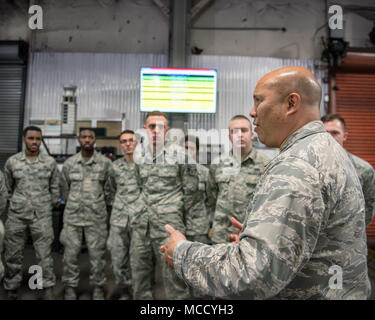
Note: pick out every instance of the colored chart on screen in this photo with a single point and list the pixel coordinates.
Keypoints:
(178, 90)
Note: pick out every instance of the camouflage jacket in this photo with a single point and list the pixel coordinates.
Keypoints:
(2, 234)
(230, 189)
(366, 175)
(125, 186)
(306, 221)
(168, 185)
(3, 194)
(33, 186)
(83, 189)
(196, 217)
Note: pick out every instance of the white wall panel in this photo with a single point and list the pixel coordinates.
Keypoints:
(237, 78)
(107, 84)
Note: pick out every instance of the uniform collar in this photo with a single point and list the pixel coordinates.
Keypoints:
(308, 129)
(251, 155)
(93, 159)
(23, 156)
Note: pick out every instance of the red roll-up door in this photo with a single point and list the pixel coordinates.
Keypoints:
(355, 102)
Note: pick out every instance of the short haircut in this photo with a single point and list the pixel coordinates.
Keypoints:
(334, 116)
(193, 139)
(84, 129)
(31, 128)
(156, 113)
(126, 131)
(240, 116)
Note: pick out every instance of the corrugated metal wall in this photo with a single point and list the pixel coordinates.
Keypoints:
(237, 77)
(12, 88)
(108, 84)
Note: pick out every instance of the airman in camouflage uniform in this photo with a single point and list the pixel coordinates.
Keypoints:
(165, 181)
(127, 204)
(32, 180)
(84, 176)
(3, 203)
(197, 220)
(232, 182)
(335, 125)
(366, 175)
(306, 220)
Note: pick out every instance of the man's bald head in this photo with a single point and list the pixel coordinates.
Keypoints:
(284, 101)
(295, 79)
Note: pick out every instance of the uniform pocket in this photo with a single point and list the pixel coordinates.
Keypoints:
(169, 171)
(75, 176)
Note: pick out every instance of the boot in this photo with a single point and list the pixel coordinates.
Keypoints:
(70, 293)
(125, 293)
(12, 294)
(48, 294)
(98, 293)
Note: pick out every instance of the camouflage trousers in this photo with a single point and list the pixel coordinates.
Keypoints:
(202, 238)
(2, 233)
(222, 228)
(144, 255)
(71, 238)
(118, 244)
(14, 243)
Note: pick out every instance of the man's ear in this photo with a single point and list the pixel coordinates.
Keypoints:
(293, 103)
(345, 136)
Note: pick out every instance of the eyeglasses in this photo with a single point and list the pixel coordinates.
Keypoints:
(126, 141)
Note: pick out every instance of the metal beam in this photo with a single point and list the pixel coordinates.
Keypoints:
(199, 7)
(179, 45)
(163, 6)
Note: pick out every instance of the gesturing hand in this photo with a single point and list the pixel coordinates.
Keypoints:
(169, 247)
(235, 237)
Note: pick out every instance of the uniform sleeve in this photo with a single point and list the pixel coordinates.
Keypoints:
(212, 190)
(9, 181)
(109, 194)
(110, 187)
(190, 183)
(368, 189)
(65, 181)
(55, 185)
(279, 236)
(3, 194)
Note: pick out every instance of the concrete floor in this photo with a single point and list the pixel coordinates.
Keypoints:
(84, 290)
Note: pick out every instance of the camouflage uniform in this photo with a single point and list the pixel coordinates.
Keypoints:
(127, 204)
(231, 189)
(3, 194)
(85, 214)
(196, 218)
(166, 190)
(33, 188)
(3, 203)
(366, 175)
(306, 216)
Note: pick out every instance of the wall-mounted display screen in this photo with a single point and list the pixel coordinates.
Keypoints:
(178, 90)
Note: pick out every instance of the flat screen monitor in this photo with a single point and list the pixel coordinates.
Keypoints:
(178, 90)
